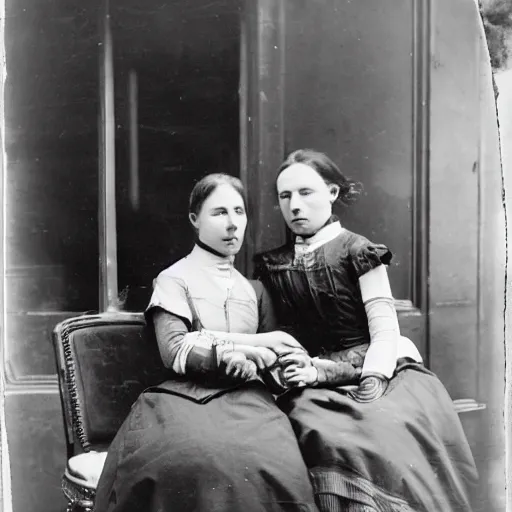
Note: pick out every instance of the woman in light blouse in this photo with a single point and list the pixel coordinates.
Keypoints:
(211, 438)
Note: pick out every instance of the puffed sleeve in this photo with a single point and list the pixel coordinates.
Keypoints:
(170, 294)
(366, 256)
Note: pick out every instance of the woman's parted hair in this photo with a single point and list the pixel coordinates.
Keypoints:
(349, 190)
(207, 185)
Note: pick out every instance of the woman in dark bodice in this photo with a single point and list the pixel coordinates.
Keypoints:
(319, 293)
(377, 430)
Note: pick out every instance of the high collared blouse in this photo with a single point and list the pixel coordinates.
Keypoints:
(206, 292)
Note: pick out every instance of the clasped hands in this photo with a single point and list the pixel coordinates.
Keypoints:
(298, 369)
(246, 360)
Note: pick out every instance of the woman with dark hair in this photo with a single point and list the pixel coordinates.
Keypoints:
(377, 430)
(211, 438)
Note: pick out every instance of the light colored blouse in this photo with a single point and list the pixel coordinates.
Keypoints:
(208, 293)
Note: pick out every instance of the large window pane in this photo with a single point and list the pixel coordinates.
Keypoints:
(186, 60)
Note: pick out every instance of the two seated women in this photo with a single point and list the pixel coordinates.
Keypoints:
(359, 424)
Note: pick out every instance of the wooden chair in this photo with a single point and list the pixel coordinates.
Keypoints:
(104, 362)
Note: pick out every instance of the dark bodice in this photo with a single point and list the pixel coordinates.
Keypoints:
(317, 296)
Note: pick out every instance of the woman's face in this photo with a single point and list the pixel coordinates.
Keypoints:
(222, 220)
(305, 199)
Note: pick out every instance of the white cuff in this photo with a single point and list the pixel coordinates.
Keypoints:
(189, 341)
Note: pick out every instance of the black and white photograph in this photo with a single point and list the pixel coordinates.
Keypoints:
(255, 255)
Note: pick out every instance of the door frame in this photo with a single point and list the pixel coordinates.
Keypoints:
(262, 143)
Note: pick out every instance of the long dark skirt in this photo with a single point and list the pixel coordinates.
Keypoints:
(235, 453)
(403, 452)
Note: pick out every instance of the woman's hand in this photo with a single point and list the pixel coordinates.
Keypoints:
(301, 376)
(238, 367)
(370, 388)
(298, 370)
(261, 356)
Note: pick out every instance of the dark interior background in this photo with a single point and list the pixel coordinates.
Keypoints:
(186, 59)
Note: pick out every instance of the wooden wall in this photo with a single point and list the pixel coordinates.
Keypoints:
(402, 100)
(467, 235)
(335, 89)
(51, 225)
(187, 63)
